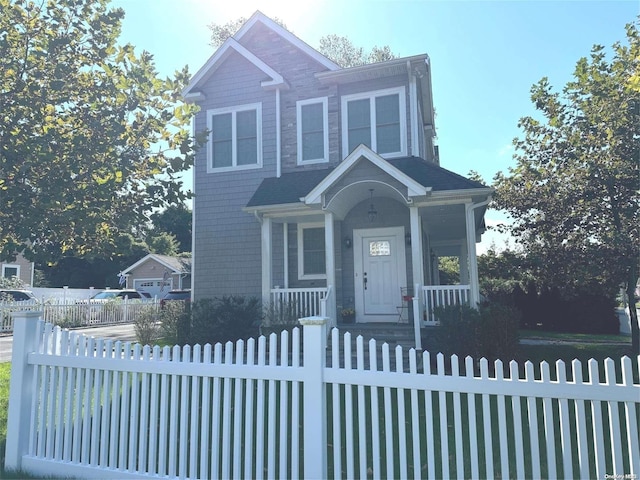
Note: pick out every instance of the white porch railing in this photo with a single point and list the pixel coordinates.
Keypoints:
(433, 296)
(308, 301)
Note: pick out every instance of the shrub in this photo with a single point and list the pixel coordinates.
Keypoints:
(175, 322)
(278, 316)
(228, 318)
(490, 331)
(147, 325)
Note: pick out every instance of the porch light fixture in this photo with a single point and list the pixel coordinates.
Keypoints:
(372, 213)
(347, 242)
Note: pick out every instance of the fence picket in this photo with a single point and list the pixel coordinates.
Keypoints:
(237, 413)
(631, 419)
(174, 382)
(335, 394)
(532, 410)
(295, 407)
(260, 413)
(105, 405)
(471, 422)
(153, 415)
(388, 414)
(271, 425)
(348, 403)
(428, 408)
(614, 422)
(596, 411)
(518, 434)
(164, 415)
(457, 420)
(249, 438)
(401, 420)
(565, 433)
(444, 427)
(362, 432)
(502, 422)
(415, 425)
(375, 412)
(486, 421)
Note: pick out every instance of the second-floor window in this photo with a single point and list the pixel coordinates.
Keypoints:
(313, 131)
(236, 137)
(377, 120)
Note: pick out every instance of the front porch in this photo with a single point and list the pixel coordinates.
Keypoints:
(367, 236)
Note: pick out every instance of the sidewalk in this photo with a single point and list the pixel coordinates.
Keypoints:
(123, 332)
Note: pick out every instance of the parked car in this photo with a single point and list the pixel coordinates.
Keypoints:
(176, 295)
(14, 295)
(119, 294)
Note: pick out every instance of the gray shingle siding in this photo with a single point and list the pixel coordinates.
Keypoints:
(227, 240)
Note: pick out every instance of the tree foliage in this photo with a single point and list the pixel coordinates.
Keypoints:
(574, 193)
(176, 220)
(91, 139)
(337, 48)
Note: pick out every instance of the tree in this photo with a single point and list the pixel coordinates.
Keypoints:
(335, 47)
(574, 193)
(91, 139)
(343, 52)
(176, 220)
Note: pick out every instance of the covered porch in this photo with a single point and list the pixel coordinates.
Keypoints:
(367, 236)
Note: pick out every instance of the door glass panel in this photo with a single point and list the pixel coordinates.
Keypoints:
(379, 248)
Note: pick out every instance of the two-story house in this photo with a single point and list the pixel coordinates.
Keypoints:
(322, 184)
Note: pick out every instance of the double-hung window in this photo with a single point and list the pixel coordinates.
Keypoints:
(313, 130)
(235, 137)
(311, 251)
(377, 120)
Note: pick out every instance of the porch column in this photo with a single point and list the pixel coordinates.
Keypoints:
(267, 261)
(330, 260)
(285, 246)
(417, 260)
(474, 293)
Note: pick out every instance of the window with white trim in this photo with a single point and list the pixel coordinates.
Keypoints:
(377, 120)
(235, 140)
(311, 251)
(313, 130)
(10, 271)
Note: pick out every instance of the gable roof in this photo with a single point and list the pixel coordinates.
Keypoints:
(232, 44)
(174, 264)
(291, 187)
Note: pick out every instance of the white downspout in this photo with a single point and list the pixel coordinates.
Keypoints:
(278, 136)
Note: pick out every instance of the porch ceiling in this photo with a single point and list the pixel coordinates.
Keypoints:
(445, 222)
(352, 194)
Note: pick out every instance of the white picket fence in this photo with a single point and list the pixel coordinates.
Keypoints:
(278, 408)
(78, 313)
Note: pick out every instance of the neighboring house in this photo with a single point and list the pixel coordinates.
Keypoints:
(158, 274)
(20, 268)
(325, 181)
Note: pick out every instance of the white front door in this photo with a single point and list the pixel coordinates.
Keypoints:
(379, 273)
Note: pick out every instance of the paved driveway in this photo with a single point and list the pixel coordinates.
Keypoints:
(117, 332)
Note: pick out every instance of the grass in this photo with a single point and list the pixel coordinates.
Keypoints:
(565, 347)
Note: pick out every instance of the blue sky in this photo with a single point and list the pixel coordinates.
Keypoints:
(485, 55)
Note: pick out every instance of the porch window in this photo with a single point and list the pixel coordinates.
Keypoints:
(236, 138)
(311, 252)
(313, 131)
(376, 119)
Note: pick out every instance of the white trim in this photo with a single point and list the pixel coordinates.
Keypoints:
(10, 265)
(278, 136)
(325, 127)
(301, 274)
(414, 118)
(190, 92)
(372, 95)
(234, 159)
(414, 188)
